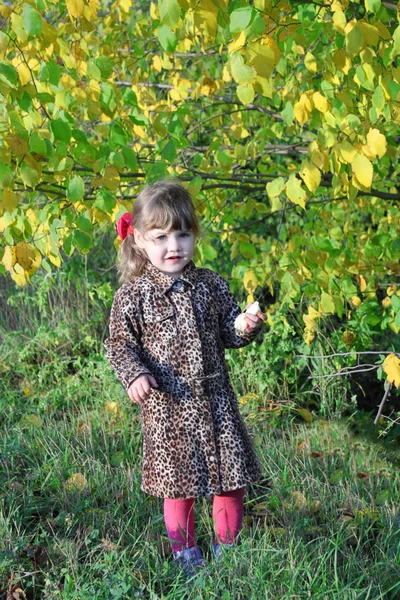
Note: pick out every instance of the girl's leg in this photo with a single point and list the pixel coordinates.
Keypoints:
(228, 516)
(179, 521)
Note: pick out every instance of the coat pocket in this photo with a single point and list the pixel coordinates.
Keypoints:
(159, 325)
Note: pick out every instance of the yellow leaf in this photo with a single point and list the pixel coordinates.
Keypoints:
(310, 62)
(76, 483)
(250, 281)
(377, 143)
(157, 64)
(339, 21)
(354, 38)
(75, 8)
(31, 421)
(370, 33)
(111, 178)
(263, 86)
(363, 170)
(311, 318)
(362, 282)
(262, 58)
(9, 259)
(347, 152)
(295, 192)
(24, 73)
(320, 102)
(316, 155)
(342, 61)
(18, 275)
(245, 93)
(112, 409)
(9, 200)
(238, 43)
(391, 366)
(24, 254)
(386, 302)
(18, 146)
(126, 5)
(302, 109)
(310, 175)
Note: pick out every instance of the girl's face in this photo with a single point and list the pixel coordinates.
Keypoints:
(169, 251)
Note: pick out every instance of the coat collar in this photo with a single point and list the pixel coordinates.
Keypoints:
(163, 282)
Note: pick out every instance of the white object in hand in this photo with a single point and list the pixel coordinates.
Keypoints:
(240, 321)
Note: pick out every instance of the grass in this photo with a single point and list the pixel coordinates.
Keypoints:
(323, 523)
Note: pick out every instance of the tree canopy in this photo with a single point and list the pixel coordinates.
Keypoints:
(282, 119)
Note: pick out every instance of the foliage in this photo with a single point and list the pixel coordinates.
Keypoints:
(282, 119)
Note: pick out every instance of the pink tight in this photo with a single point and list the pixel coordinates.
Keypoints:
(227, 516)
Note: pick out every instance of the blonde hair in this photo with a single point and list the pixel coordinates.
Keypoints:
(165, 205)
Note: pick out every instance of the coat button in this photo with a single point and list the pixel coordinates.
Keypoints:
(158, 318)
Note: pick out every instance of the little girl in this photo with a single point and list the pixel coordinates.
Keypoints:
(170, 322)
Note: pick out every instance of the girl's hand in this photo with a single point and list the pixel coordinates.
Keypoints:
(140, 389)
(253, 321)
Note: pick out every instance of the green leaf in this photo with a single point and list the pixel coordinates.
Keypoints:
(84, 224)
(327, 303)
(209, 252)
(76, 189)
(276, 187)
(169, 12)
(82, 241)
(130, 158)
(54, 72)
(240, 19)
(106, 66)
(9, 73)
(336, 477)
(245, 93)
(306, 414)
(241, 73)
(288, 113)
(117, 136)
(378, 98)
(396, 40)
(247, 249)
(372, 5)
(395, 302)
(25, 102)
(5, 176)
(105, 202)
(32, 21)
(29, 175)
(167, 38)
(157, 171)
(169, 151)
(61, 130)
(37, 145)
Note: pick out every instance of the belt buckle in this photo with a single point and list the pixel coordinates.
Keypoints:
(203, 378)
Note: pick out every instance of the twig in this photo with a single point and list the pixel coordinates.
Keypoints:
(388, 387)
(342, 354)
(342, 372)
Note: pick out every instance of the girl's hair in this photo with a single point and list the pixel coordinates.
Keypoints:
(162, 205)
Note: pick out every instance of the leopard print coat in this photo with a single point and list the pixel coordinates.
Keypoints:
(195, 442)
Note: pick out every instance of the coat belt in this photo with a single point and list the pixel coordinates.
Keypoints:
(203, 379)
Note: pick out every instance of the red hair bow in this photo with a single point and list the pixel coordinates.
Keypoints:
(124, 225)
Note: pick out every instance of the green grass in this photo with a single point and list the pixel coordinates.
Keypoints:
(323, 523)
